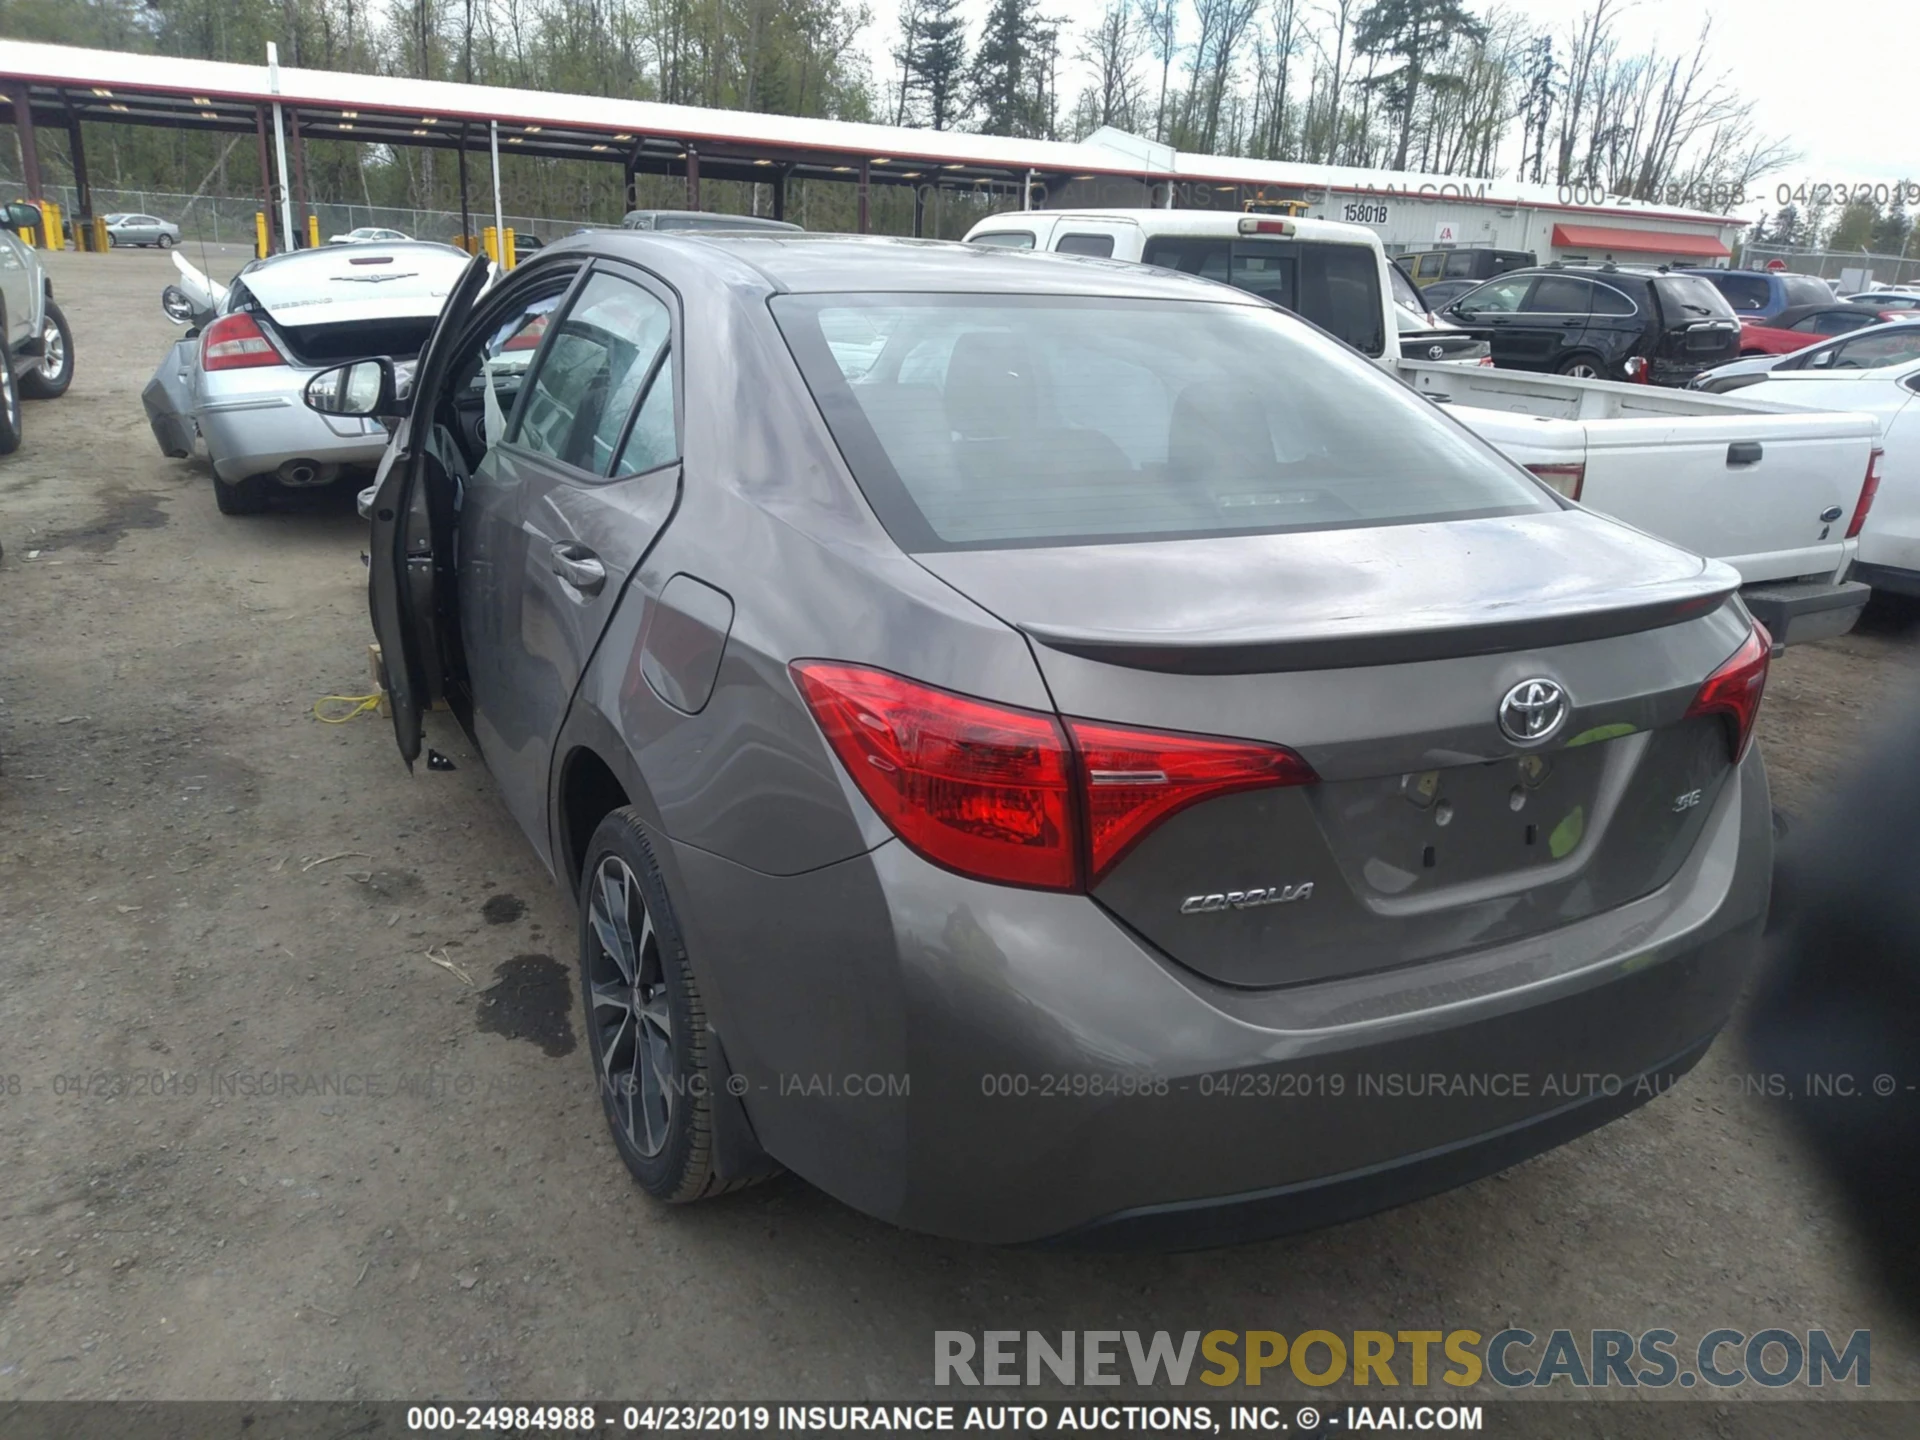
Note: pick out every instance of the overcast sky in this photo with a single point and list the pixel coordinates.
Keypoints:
(1827, 78)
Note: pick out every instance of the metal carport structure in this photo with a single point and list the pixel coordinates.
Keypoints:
(59, 87)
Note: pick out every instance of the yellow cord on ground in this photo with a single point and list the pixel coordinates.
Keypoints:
(362, 705)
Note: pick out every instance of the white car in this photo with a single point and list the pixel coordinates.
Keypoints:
(366, 234)
(1886, 299)
(1889, 555)
(234, 388)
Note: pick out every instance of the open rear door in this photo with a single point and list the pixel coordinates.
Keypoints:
(410, 580)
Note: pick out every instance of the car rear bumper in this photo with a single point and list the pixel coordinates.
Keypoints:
(1890, 578)
(1798, 611)
(259, 434)
(1012, 1066)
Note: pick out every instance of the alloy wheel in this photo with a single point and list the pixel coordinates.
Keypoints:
(628, 1004)
(1584, 371)
(54, 362)
(9, 395)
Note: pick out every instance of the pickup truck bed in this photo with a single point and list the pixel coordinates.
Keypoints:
(1767, 488)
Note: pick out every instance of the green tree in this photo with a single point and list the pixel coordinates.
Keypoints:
(1854, 229)
(1418, 34)
(1008, 94)
(939, 62)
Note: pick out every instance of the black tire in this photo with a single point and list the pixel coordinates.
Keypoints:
(1584, 366)
(10, 432)
(248, 497)
(165, 242)
(57, 337)
(646, 1030)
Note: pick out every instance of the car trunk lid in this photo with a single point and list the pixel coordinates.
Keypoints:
(1383, 657)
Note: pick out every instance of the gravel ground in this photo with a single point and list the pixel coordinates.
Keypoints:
(199, 880)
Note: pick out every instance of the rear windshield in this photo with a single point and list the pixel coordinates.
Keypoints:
(1336, 286)
(1689, 297)
(978, 422)
(1806, 290)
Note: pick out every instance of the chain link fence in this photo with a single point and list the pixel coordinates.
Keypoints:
(229, 220)
(1834, 264)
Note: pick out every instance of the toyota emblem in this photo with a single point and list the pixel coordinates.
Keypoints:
(1436, 352)
(1532, 711)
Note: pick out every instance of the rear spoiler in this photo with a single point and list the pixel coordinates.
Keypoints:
(1257, 656)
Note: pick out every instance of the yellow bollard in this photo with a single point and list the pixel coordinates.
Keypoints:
(55, 225)
(490, 242)
(511, 258)
(260, 251)
(102, 242)
(313, 232)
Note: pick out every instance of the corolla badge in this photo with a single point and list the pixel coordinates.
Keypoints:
(1246, 899)
(1532, 711)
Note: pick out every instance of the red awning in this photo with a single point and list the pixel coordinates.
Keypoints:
(1640, 242)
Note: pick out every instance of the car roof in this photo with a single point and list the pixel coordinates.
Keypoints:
(707, 220)
(805, 263)
(1175, 222)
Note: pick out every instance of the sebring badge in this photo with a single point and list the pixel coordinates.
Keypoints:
(1246, 899)
(1532, 711)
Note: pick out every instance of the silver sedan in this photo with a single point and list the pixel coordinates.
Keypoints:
(133, 229)
(231, 389)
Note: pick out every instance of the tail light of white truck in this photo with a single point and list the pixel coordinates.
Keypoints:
(1566, 479)
(1868, 489)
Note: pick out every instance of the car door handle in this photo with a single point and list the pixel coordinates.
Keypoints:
(1575, 320)
(579, 567)
(1744, 452)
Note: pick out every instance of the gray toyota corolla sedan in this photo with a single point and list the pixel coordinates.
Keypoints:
(1053, 750)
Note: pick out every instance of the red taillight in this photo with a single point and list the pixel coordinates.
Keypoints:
(1567, 479)
(979, 788)
(1733, 691)
(234, 342)
(1134, 779)
(1869, 488)
(1004, 794)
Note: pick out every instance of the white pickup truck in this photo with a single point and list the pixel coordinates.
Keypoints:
(1774, 490)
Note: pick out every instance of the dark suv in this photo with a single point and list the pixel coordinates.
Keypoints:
(1591, 320)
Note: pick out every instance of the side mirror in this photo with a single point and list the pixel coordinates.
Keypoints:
(176, 303)
(1465, 312)
(365, 388)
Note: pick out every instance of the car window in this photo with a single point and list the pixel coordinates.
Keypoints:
(1496, 296)
(1460, 265)
(1560, 295)
(1870, 352)
(1099, 246)
(1689, 297)
(1006, 239)
(1340, 292)
(1839, 322)
(1405, 293)
(1269, 269)
(1193, 254)
(1609, 301)
(654, 440)
(591, 372)
(1743, 292)
(1055, 419)
(1429, 266)
(1805, 290)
